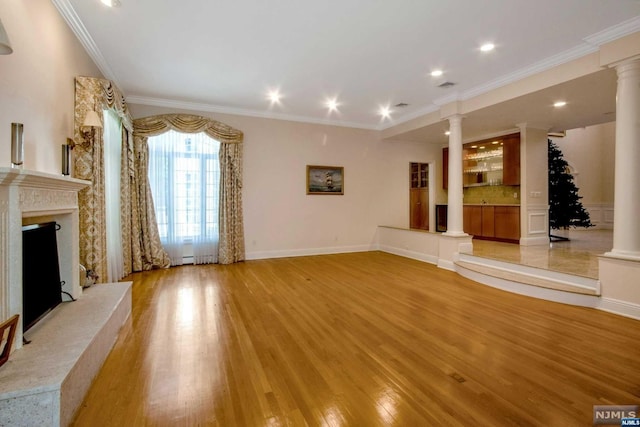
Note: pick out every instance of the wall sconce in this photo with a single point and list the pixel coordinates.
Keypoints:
(88, 129)
(5, 44)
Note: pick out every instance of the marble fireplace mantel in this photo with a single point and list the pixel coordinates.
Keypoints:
(43, 383)
(28, 194)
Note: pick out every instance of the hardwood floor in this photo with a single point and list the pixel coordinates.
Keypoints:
(364, 339)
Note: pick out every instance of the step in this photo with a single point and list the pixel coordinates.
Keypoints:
(44, 382)
(531, 281)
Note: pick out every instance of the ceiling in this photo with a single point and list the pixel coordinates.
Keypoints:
(225, 56)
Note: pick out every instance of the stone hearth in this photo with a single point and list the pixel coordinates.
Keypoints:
(43, 383)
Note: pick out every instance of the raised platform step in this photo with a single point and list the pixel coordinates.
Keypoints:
(531, 281)
(44, 382)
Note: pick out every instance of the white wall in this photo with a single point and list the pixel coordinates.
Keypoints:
(37, 81)
(281, 219)
(590, 152)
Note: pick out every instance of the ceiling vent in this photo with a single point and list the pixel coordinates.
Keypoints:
(446, 85)
(401, 105)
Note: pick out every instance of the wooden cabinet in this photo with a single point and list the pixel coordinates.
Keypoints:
(419, 196)
(511, 159)
(507, 223)
(494, 161)
(472, 220)
(489, 222)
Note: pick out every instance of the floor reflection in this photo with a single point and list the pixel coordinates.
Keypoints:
(386, 405)
(578, 256)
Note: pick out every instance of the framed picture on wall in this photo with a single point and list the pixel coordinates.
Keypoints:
(325, 180)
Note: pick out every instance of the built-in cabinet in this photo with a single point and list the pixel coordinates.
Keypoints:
(419, 196)
(492, 222)
(494, 161)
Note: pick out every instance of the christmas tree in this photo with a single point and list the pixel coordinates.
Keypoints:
(565, 208)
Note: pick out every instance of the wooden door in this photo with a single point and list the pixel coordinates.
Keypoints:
(419, 201)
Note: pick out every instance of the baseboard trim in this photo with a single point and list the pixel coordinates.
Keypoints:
(446, 264)
(409, 254)
(622, 308)
(308, 252)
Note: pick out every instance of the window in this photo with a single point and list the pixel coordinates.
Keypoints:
(112, 138)
(184, 175)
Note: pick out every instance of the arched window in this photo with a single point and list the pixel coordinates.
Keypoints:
(184, 176)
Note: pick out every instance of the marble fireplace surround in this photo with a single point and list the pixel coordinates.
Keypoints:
(44, 383)
(26, 196)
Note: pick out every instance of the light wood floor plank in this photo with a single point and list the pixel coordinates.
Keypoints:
(364, 339)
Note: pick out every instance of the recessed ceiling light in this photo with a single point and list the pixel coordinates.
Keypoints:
(474, 146)
(385, 112)
(436, 73)
(111, 3)
(487, 47)
(447, 133)
(559, 104)
(495, 142)
(332, 104)
(274, 96)
(482, 147)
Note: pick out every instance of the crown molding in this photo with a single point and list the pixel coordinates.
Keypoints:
(73, 20)
(591, 44)
(428, 109)
(211, 108)
(538, 67)
(612, 33)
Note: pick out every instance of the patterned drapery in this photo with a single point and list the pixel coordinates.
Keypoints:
(100, 94)
(231, 246)
(146, 247)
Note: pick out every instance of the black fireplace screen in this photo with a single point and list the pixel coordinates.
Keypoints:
(41, 288)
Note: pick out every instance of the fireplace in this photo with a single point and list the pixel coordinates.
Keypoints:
(41, 286)
(43, 383)
(28, 197)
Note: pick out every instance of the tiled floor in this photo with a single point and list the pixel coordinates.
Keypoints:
(578, 256)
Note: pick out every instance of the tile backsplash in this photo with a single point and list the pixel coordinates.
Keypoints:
(492, 195)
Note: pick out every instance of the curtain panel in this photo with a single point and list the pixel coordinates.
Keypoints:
(99, 94)
(231, 244)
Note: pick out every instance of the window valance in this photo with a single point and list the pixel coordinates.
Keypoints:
(187, 123)
(100, 94)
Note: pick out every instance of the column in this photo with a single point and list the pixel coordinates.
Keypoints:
(626, 223)
(454, 213)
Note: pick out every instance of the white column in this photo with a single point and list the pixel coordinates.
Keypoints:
(454, 212)
(626, 222)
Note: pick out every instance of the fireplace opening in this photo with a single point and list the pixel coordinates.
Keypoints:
(41, 286)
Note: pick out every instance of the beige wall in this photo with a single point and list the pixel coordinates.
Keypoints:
(37, 81)
(591, 152)
(281, 219)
